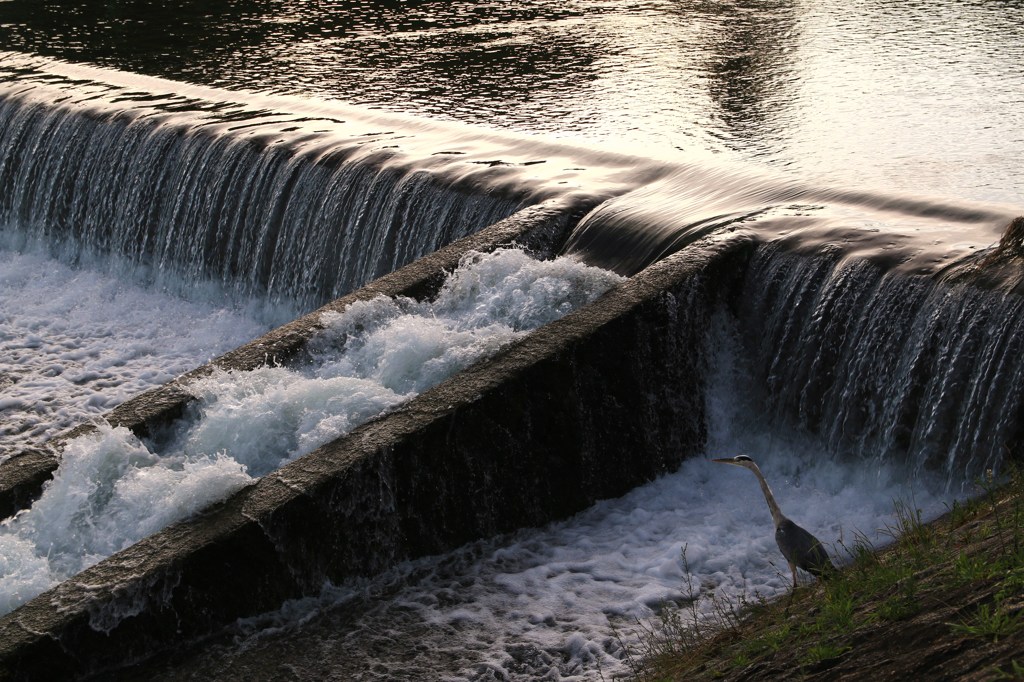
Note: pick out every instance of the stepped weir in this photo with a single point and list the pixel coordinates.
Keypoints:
(887, 345)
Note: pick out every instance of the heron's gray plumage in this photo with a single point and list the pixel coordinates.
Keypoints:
(801, 549)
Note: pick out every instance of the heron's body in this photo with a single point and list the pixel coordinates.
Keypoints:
(801, 549)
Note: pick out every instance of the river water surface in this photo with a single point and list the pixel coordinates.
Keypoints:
(922, 98)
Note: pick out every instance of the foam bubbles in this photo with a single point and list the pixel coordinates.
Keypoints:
(109, 492)
(113, 489)
(571, 587)
(76, 342)
(379, 353)
(269, 416)
(25, 573)
(560, 602)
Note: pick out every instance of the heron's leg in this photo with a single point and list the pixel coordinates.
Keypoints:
(792, 593)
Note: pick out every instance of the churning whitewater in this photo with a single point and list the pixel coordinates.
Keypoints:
(564, 601)
(112, 489)
(77, 341)
(293, 199)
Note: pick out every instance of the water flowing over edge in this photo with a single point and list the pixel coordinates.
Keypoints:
(112, 490)
(303, 199)
(819, 290)
(563, 601)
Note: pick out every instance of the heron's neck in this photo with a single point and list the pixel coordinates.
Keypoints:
(773, 506)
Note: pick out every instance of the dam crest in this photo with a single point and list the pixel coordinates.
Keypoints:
(324, 209)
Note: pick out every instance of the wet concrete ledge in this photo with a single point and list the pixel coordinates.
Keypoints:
(541, 228)
(585, 408)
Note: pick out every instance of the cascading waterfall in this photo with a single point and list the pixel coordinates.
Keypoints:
(815, 337)
(883, 365)
(872, 320)
(562, 602)
(259, 202)
(265, 207)
(839, 358)
(253, 214)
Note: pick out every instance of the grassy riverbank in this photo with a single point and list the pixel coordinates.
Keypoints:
(944, 601)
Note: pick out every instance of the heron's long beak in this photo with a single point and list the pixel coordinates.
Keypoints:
(725, 460)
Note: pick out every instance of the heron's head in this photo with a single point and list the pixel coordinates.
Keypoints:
(738, 460)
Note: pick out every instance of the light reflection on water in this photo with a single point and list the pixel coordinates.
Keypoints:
(913, 97)
(916, 96)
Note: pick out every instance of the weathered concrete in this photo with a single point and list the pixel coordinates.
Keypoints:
(541, 228)
(582, 409)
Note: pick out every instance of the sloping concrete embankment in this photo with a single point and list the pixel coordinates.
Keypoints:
(582, 409)
(541, 228)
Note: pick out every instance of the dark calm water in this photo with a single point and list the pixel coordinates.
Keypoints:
(924, 96)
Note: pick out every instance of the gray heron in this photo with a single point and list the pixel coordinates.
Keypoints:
(801, 549)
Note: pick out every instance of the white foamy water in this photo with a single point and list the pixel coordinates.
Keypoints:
(558, 603)
(76, 342)
(111, 490)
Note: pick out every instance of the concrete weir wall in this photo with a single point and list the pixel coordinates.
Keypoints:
(582, 409)
(541, 229)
